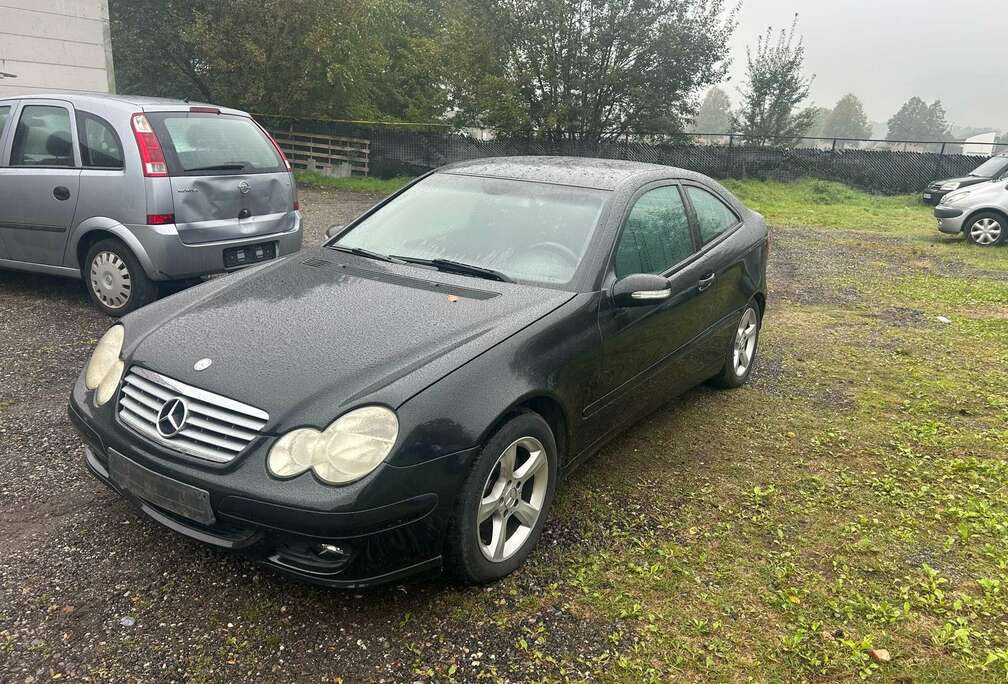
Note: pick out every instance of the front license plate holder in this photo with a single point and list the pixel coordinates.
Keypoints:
(927, 195)
(236, 257)
(171, 495)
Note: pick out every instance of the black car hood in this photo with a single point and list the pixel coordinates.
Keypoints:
(963, 181)
(308, 336)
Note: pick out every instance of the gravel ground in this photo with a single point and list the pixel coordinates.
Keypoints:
(92, 591)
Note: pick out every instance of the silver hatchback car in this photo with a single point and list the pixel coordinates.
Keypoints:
(131, 192)
(979, 212)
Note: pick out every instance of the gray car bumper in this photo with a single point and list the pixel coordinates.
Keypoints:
(950, 219)
(166, 257)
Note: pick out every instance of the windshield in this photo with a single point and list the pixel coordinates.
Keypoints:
(205, 144)
(991, 168)
(526, 231)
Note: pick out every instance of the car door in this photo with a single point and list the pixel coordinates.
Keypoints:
(644, 347)
(39, 184)
(6, 109)
(721, 265)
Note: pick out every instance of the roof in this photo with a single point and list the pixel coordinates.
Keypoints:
(138, 101)
(603, 174)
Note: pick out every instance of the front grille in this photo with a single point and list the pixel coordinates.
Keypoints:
(216, 428)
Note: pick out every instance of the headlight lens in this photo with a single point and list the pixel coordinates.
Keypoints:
(954, 185)
(955, 198)
(105, 368)
(350, 448)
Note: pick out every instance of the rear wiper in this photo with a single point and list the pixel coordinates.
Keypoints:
(449, 266)
(219, 167)
(360, 251)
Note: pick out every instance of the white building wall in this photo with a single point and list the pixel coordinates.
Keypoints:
(55, 45)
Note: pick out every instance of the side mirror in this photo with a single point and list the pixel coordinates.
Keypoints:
(333, 230)
(641, 289)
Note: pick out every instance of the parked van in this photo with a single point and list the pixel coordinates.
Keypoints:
(129, 192)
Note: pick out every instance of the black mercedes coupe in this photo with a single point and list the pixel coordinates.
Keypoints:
(408, 396)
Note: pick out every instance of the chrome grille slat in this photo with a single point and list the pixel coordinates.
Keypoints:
(216, 428)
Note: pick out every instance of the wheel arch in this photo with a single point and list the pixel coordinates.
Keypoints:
(99, 228)
(547, 407)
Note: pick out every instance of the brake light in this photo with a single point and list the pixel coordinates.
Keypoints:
(275, 145)
(160, 219)
(151, 156)
(205, 110)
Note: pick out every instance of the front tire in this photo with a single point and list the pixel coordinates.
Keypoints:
(504, 502)
(741, 354)
(114, 279)
(986, 229)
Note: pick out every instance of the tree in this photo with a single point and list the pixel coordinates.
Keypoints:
(584, 69)
(917, 121)
(775, 86)
(848, 120)
(324, 58)
(715, 114)
(819, 117)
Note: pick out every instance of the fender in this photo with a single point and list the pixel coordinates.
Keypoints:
(118, 230)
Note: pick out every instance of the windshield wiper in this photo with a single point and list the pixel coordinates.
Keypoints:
(449, 266)
(237, 166)
(360, 251)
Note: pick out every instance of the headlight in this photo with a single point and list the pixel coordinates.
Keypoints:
(105, 368)
(949, 200)
(946, 187)
(350, 448)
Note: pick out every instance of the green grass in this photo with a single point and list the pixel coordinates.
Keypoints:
(833, 205)
(352, 183)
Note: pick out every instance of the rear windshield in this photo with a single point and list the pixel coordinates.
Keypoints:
(206, 144)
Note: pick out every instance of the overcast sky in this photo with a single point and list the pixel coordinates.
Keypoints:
(886, 51)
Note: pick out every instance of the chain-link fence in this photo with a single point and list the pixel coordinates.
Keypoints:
(876, 165)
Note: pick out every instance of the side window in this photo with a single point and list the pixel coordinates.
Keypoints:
(4, 114)
(99, 144)
(713, 216)
(656, 235)
(43, 137)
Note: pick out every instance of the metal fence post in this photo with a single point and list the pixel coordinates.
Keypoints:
(939, 163)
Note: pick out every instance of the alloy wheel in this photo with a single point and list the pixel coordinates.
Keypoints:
(986, 231)
(745, 342)
(513, 499)
(110, 280)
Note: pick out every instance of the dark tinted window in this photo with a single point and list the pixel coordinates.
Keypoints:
(713, 216)
(99, 145)
(4, 114)
(657, 234)
(43, 137)
(201, 144)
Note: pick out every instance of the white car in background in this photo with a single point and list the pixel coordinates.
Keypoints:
(979, 212)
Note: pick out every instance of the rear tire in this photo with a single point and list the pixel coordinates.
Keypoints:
(986, 229)
(501, 510)
(115, 280)
(741, 354)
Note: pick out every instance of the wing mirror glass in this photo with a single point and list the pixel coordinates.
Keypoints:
(331, 231)
(641, 289)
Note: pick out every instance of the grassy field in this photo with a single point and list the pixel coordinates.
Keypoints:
(351, 184)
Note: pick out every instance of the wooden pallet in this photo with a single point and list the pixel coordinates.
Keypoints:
(324, 153)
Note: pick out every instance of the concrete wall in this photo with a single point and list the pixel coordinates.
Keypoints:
(55, 45)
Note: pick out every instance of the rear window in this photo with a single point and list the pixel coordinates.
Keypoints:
(204, 144)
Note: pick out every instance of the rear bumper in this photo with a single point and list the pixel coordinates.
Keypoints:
(386, 527)
(166, 257)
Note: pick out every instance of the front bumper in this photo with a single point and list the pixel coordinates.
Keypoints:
(387, 526)
(950, 219)
(167, 257)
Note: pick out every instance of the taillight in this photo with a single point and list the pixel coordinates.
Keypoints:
(275, 146)
(297, 205)
(160, 219)
(151, 156)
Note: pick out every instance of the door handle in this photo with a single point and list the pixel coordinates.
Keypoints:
(706, 281)
(61, 193)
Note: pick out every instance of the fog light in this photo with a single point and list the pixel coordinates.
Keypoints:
(330, 551)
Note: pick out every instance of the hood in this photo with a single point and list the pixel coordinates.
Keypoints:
(963, 181)
(306, 337)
